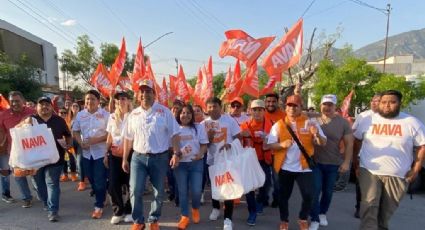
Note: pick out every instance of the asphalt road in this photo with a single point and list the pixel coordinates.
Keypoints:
(76, 207)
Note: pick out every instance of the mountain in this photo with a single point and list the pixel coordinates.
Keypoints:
(412, 42)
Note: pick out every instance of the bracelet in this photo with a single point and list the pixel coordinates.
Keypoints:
(178, 154)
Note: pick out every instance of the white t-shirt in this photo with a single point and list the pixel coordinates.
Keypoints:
(387, 147)
(191, 140)
(116, 129)
(92, 125)
(226, 128)
(362, 115)
(241, 119)
(292, 161)
(151, 130)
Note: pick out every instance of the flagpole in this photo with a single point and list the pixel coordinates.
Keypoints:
(150, 43)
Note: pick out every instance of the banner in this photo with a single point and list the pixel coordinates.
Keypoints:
(139, 69)
(4, 104)
(242, 46)
(101, 81)
(173, 89)
(228, 78)
(345, 106)
(181, 86)
(163, 94)
(269, 87)
(118, 65)
(235, 84)
(250, 82)
(125, 83)
(207, 89)
(287, 53)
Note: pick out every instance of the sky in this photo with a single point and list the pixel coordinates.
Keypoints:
(198, 26)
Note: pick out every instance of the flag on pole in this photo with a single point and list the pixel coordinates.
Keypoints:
(118, 65)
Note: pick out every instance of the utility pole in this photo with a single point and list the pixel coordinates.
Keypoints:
(386, 37)
(177, 65)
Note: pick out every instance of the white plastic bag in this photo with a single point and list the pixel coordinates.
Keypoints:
(32, 147)
(225, 179)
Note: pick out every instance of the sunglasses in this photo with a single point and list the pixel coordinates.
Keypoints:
(235, 105)
(62, 112)
(291, 105)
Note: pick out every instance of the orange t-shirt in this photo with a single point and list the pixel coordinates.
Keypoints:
(252, 126)
(276, 116)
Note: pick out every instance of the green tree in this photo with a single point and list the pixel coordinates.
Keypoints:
(22, 76)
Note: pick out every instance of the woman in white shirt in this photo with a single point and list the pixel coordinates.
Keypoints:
(118, 179)
(189, 173)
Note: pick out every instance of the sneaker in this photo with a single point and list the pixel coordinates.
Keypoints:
(227, 224)
(183, 223)
(137, 226)
(314, 225)
(154, 226)
(236, 201)
(8, 199)
(97, 213)
(53, 217)
(303, 224)
(116, 219)
(64, 178)
(251, 219)
(27, 204)
(323, 220)
(128, 218)
(357, 213)
(196, 217)
(202, 199)
(283, 226)
(81, 186)
(74, 177)
(215, 213)
(45, 207)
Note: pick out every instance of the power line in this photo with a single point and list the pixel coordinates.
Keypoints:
(53, 6)
(358, 2)
(207, 14)
(308, 8)
(48, 27)
(326, 9)
(119, 19)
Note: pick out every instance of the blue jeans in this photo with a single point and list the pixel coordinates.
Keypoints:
(5, 185)
(23, 187)
(263, 194)
(141, 166)
(189, 174)
(97, 174)
(324, 180)
(46, 183)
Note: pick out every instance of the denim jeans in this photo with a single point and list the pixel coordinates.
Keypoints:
(97, 174)
(189, 174)
(79, 163)
(143, 165)
(118, 186)
(263, 194)
(23, 187)
(324, 180)
(46, 183)
(5, 185)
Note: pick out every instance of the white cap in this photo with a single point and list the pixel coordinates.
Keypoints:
(329, 98)
(258, 104)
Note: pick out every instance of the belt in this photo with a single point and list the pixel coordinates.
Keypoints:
(152, 154)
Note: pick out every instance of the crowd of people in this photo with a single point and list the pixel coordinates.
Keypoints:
(120, 151)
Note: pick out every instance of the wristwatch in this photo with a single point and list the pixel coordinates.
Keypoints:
(178, 154)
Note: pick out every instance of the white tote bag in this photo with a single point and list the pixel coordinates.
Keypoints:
(225, 179)
(33, 146)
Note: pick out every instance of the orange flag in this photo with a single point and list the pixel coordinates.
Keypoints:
(250, 82)
(150, 75)
(268, 88)
(125, 83)
(197, 92)
(287, 53)
(228, 78)
(242, 46)
(207, 89)
(346, 104)
(139, 69)
(101, 81)
(118, 65)
(4, 104)
(173, 89)
(235, 84)
(181, 86)
(163, 94)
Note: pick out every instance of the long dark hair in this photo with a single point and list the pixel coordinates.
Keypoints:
(192, 120)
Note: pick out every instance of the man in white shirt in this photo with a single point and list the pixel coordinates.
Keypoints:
(89, 130)
(149, 130)
(236, 111)
(388, 138)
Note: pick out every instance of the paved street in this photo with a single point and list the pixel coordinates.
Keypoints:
(75, 209)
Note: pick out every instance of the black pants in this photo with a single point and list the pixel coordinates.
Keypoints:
(305, 183)
(118, 187)
(72, 164)
(228, 210)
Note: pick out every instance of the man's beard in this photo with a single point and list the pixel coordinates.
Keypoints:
(391, 114)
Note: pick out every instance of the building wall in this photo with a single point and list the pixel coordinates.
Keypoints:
(15, 42)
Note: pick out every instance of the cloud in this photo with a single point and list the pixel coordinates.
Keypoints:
(69, 22)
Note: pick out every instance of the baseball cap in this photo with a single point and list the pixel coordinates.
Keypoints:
(258, 104)
(121, 94)
(44, 99)
(294, 99)
(237, 99)
(146, 82)
(328, 98)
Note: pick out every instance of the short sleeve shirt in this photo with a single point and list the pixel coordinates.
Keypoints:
(335, 130)
(92, 125)
(116, 128)
(151, 130)
(191, 139)
(9, 119)
(387, 147)
(59, 129)
(225, 129)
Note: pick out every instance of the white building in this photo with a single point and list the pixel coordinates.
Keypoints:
(15, 42)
